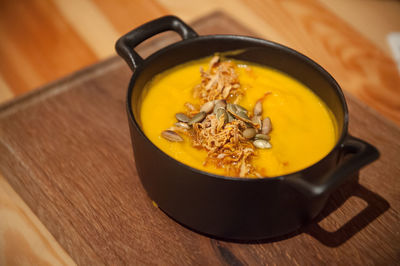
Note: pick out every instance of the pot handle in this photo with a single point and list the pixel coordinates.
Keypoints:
(126, 43)
(360, 153)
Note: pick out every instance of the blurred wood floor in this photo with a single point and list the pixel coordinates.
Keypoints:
(44, 40)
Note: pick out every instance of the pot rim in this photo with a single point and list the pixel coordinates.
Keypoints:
(264, 42)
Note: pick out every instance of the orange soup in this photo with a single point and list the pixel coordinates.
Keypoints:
(301, 132)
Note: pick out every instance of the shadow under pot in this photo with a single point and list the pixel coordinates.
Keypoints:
(228, 207)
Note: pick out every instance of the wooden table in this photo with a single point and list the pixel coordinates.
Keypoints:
(331, 35)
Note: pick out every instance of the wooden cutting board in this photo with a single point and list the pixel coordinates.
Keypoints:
(66, 150)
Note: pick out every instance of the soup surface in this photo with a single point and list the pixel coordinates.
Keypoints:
(303, 128)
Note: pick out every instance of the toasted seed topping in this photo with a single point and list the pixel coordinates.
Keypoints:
(257, 121)
(171, 136)
(219, 104)
(197, 118)
(258, 108)
(222, 113)
(231, 118)
(182, 125)
(207, 107)
(262, 144)
(249, 133)
(239, 112)
(241, 109)
(266, 126)
(231, 108)
(181, 117)
(262, 136)
(219, 125)
(243, 116)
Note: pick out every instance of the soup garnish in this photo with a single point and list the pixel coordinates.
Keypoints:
(236, 118)
(227, 131)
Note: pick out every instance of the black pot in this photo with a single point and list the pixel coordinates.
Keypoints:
(226, 207)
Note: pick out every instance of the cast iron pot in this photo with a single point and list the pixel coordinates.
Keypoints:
(226, 207)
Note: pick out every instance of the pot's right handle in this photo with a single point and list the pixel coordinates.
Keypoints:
(360, 153)
(126, 44)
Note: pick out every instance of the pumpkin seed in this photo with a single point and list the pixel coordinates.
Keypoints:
(249, 133)
(257, 121)
(182, 125)
(266, 126)
(207, 107)
(230, 117)
(171, 136)
(243, 116)
(221, 112)
(182, 117)
(197, 118)
(262, 136)
(231, 108)
(262, 144)
(219, 104)
(238, 112)
(258, 108)
(241, 109)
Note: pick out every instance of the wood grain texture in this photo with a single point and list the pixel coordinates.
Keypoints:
(90, 24)
(124, 15)
(89, 28)
(79, 24)
(29, 58)
(25, 241)
(358, 65)
(314, 28)
(374, 19)
(5, 92)
(66, 150)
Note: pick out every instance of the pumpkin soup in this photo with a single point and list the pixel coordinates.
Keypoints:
(236, 118)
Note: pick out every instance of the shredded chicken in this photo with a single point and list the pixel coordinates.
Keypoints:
(222, 138)
(220, 81)
(226, 146)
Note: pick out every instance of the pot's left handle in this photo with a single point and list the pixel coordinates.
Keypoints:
(126, 44)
